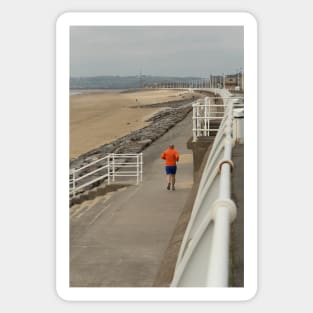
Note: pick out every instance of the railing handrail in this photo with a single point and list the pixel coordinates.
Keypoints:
(210, 261)
(88, 165)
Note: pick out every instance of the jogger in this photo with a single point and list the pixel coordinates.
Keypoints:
(171, 157)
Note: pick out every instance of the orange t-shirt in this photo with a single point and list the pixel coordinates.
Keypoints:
(170, 156)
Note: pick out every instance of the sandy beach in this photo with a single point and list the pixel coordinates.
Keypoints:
(99, 118)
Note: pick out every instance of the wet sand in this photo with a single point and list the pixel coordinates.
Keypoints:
(99, 118)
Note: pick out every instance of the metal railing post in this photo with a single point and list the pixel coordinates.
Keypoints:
(197, 119)
(206, 132)
(108, 163)
(137, 157)
(194, 122)
(141, 167)
(74, 183)
(209, 114)
(238, 126)
(113, 167)
(218, 269)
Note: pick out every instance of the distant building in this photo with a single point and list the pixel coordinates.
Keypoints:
(230, 82)
(233, 81)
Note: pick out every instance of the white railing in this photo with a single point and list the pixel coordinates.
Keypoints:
(107, 168)
(203, 259)
(205, 111)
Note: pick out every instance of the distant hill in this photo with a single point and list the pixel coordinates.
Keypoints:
(123, 82)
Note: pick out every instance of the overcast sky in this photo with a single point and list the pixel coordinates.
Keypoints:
(164, 51)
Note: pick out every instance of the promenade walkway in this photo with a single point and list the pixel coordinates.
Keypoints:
(118, 240)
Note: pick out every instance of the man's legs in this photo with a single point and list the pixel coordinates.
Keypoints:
(168, 181)
(170, 177)
(173, 181)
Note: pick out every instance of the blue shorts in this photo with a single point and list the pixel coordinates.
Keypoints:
(170, 170)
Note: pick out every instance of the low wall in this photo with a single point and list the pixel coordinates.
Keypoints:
(200, 147)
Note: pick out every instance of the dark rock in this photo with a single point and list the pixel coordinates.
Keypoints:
(145, 141)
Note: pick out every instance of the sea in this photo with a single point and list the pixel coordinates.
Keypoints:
(83, 85)
(74, 92)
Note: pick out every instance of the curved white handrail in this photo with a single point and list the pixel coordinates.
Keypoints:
(203, 259)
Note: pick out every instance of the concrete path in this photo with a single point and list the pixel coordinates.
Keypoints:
(118, 240)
